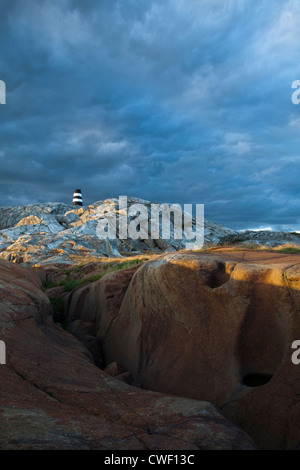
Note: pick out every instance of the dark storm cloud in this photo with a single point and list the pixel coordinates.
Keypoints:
(179, 101)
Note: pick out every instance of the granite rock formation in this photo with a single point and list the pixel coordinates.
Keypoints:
(267, 238)
(57, 233)
(216, 327)
(52, 396)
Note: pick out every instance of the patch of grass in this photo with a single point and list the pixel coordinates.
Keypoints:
(288, 250)
(241, 247)
(93, 277)
(252, 246)
(75, 268)
(245, 246)
(127, 264)
(71, 284)
(47, 285)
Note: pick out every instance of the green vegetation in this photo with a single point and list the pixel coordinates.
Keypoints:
(251, 246)
(48, 285)
(288, 249)
(128, 264)
(70, 284)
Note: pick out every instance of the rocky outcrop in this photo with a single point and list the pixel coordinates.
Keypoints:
(53, 397)
(88, 302)
(57, 233)
(216, 327)
(266, 238)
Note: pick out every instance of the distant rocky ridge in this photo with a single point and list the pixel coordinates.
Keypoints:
(59, 233)
(267, 238)
(56, 232)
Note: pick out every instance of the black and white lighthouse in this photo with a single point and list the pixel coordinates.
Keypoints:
(77, 197)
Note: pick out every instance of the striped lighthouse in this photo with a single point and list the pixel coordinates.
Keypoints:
(77, 197)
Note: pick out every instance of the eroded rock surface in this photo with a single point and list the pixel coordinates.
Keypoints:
(266, 238)
(216, 327)
(53, 397)
(58, 233)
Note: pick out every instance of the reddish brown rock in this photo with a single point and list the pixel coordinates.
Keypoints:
(52, 397)
(125, 377)
(100, 301)
(81, 326)
(216, 327)
(51, 273)
(55, 292)
(114, 369)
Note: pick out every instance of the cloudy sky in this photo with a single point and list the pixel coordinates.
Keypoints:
(184, 101)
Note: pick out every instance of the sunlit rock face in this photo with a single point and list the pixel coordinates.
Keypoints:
(55, 232)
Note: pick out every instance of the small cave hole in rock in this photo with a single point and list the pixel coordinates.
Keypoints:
(218, 277)
(256, 380)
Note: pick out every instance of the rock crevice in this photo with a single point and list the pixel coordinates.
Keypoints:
(215, 327)
(53, 397)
